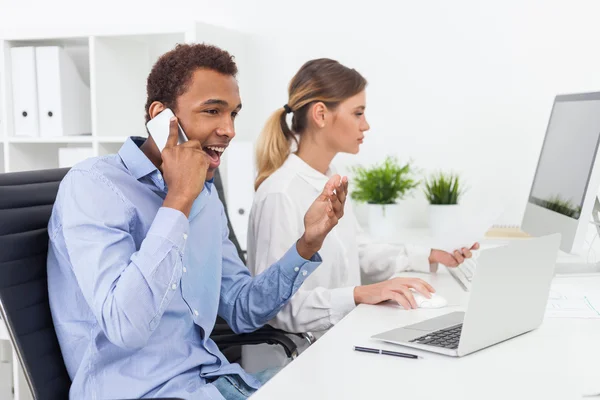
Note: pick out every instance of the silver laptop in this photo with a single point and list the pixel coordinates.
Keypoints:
(509, 293)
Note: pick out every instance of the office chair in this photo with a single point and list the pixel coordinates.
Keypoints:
(228, 341)
(222, 334)
(26, 200)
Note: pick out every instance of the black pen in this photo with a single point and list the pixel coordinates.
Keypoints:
(386, 352)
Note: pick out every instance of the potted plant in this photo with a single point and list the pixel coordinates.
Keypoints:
(443, 192)
(562, 206)
(381, 187)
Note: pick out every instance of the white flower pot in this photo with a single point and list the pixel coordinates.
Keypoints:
(412, 213)
(383, 220)
(443, 219)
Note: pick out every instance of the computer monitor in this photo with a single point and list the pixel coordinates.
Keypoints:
(567, 178)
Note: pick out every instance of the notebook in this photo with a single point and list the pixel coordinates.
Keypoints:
(506, 231)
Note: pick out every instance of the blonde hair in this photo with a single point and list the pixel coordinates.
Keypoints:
(321, 80)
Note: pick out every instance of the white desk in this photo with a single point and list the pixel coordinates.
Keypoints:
(560, 360)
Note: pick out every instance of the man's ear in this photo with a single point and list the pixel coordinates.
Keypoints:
(155, 108)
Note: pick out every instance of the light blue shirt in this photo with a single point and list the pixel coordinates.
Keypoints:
(135, 288)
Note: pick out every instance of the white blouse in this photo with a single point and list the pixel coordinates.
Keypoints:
(277, 221)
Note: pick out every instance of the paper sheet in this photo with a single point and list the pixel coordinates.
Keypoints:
(566, 301)
(463, 228)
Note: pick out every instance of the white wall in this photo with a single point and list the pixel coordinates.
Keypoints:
(465, 85)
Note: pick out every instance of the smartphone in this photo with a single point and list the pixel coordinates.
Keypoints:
(158, 128)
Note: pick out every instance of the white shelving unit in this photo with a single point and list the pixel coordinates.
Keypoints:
(114, 61)
(2, 146)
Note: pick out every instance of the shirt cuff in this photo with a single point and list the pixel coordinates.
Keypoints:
(418, 258)
(342, 302)
(296, 268)
(170, 224)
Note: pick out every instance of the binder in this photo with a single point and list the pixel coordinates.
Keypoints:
(63, 97)
(24, 91)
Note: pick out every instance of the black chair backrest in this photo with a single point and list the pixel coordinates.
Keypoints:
(232, 237)
(26, 200)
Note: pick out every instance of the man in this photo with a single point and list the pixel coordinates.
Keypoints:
(140, 264)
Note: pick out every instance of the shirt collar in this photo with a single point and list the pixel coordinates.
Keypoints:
(134, 159)
(139, 165)
(308, 173)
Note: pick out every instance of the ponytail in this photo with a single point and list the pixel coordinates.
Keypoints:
(273, 146)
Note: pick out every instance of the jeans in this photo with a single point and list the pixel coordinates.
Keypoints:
(233, 388)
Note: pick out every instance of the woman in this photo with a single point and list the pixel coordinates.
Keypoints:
(327, 103)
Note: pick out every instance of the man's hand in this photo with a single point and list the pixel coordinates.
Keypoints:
(184, 168)
(322, 216)
(397, 289)
(454, 259)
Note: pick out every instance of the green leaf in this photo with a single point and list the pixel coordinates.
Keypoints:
(558, 204)
(383, 183)
(443, 188)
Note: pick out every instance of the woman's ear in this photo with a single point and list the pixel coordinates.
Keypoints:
(318, 114)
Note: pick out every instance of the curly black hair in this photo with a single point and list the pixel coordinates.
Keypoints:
(170, 76)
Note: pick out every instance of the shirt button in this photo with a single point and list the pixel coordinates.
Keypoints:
(196, 312)
(174, 286)
(185, 236)
(184, 269)
(160, 178)
(296, 269)
(304, 273)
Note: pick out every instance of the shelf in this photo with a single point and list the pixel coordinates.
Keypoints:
(80, 41)
(70, 107)
(2, 167)
(4, 103)
(73, 32)
(113, 139)
(49, 140)
(114, 60)
(119, 68)
(27, 156)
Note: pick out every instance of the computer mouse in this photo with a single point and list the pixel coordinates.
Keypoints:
(436, 301)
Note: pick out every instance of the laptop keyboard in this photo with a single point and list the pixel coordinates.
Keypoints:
(447, 338)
